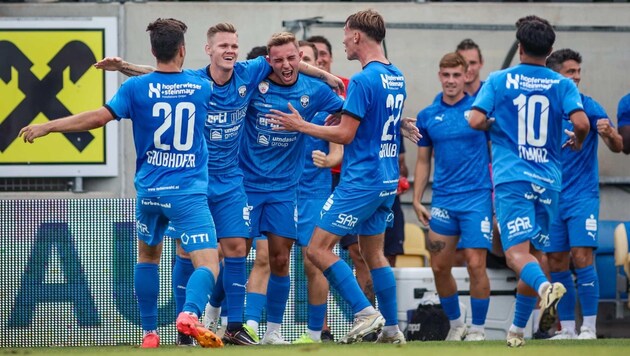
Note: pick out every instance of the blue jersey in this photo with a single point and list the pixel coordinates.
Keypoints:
(375, 97)
(273, 160)
(580, 172)
(227, 112)
(461, 153)
(528, 103)
(315, 182)
(168, 111)
(623, 111)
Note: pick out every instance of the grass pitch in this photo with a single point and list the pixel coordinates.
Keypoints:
(603, 347)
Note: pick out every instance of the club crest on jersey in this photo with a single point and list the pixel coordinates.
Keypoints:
(304, 101)
(263, 87)
(242, 90)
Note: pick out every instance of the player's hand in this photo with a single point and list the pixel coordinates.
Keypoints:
(409, 129)
(320, 159)
(422, 213)
(336, 84)
(31, 132)
(110, 63)
(572, 142)
(282, 121)
(604, 128)
(333, 120)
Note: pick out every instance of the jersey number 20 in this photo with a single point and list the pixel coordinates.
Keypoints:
(165, 110)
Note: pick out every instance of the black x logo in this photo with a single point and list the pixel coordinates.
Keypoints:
(41, 95)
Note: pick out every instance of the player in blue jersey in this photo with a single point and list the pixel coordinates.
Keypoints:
(623, 122)
(370, 123)
(234, 83)
(471, 52)
(272, 162)
(461, 208)
(313, 189)
(168, 110)
(528, 102)
(574, 231)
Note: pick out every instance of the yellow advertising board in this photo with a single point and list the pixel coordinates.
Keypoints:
(46, 73)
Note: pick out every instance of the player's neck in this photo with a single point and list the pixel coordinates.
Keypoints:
(372, 54)
(170, 67)
(473, 87)
(219, 75)
(452, 100)
(539, 61)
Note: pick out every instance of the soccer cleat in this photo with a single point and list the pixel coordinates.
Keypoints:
(184, 340)
(475, 335)
(327, 336)
(211, 324)
(587, 333)
(515, 339)
(398, 338)
(189, 324)
(150, 340)
(549, 305)
(244, 336)
(305, 339)
(362, 326)
(457, 333)
(564, 334)
(274, 338)
(540, 335)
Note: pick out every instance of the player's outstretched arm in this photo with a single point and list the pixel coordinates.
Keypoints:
(84, 121)
(611, 138)
(120, 65)
(335, 83)
(409, 129)
(479, 121)
(420, 180)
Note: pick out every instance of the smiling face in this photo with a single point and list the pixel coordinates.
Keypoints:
(324, 57)
(308, 55)
(571, 69)
(474, 64)
(222, 48)
(453, 81)
(284, 60)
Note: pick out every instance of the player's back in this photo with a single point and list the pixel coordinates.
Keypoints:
(375, 97)
(528, 103)
(168, 111)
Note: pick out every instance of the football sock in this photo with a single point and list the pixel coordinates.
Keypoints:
(234, 279)
(316, 315)
(523, 309)
(254, 308)
(450, 305)
(200, 284)
(588, 291)
(147, 286)
(218, 293)
(340, 276)
(277, 296)
(533, 276)
(479, 309)
(566, 305)
(182, 270)
(385, 290)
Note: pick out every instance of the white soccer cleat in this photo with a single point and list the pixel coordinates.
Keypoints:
(549, 305)
(273, 338)
(587, 333)
(210, 323)
(564, 334)
(398, 338)
(457, 333)
(475, 335)
(515, 339)
(362, 326)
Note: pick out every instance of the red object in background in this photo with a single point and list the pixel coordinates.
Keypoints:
(403, 185)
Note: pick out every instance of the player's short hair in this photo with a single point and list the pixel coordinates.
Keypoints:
(166, 35)
(220, 27)
(369, 22)
(535, 35)
(321, 39)
(467, 44)
(453, 60)
(309, 44)
(557, 58)
(257, 52)
(281, 38)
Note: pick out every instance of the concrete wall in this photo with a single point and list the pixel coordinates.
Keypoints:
(415, 52)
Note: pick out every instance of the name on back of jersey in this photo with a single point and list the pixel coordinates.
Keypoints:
(533, 154)
(388, 149)
(170, 159)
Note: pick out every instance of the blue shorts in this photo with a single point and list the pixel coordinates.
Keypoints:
(273, 212)
(525, 212)
(228, 205)
(575, 226)
(188, 214)
(364, 212)
(467, 215)
(308, 216)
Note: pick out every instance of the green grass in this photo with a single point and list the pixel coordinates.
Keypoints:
(604, 347)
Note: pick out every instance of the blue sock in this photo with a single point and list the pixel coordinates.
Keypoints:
(385, 290)
(450, 305)
(316, 316)
(479, 310)
(340, 276)
(523, 309)
(566, 305)
(200, 284)
(254, 307)
(182, 270)
(147, 286)
(588, 290)
(218, 293)
(533, 275)
(224, 308)
(277, 296)
(234, 280)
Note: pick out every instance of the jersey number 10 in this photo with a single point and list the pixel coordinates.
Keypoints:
(527, 117)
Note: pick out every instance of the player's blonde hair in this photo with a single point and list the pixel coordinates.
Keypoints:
(220, 27)
(369, 22)
(281, 38)
(453, 60)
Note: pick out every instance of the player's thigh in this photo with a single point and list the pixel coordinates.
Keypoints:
(308, 215)
(279, 216)
(475, 222)
(230, 212)
(516, 213)
(192, 221)
(151, 223)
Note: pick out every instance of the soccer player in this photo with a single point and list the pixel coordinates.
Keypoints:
(369, 126)
(234, 84)
(272, 162)
(171, 174)
(574, 231)
(623, 122)
(471, 52)
(528, 102)
(461, 206)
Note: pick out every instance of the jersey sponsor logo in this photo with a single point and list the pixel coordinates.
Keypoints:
(530, 196)
(385, 193)
(440, 214)
(263, 140)
(246, 214)
(486, 226)
(142, 229)
(523, 82)
(538, 189)
(176, 90)
(467, 115)
(304, 100)
(347, 220)
(263, 87)
(546, 201)
(389, 218)
(154, 90)
(439, 117)
(218, 118)
(543, 239)
(511, 81)
(392, 81)
(519, 226)
(194, 239)
(216, 134)
(242, 91)
(149, 202)
(327, 205)
(591, 223)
